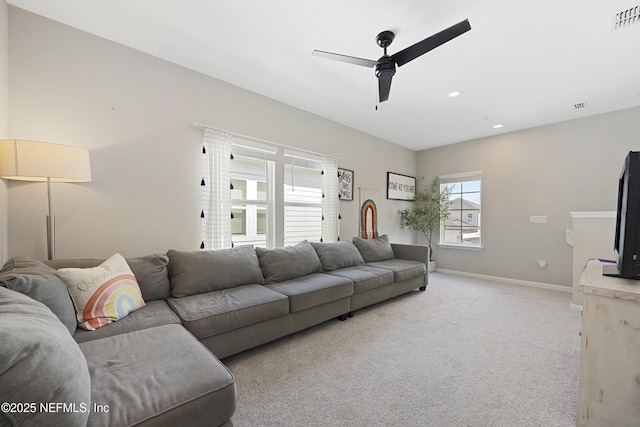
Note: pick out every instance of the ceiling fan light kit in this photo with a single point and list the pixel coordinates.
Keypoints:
(386, 66)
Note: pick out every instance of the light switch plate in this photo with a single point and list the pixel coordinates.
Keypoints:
(569, 237)
(538, 219)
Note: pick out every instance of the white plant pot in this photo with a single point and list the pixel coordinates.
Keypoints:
(432, 266)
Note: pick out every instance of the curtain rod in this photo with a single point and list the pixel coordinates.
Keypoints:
(239, 135)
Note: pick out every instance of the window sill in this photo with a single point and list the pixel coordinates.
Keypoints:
(464, 247)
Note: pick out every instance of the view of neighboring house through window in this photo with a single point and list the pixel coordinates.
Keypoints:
(253, 181)
(302, 198)
(251, 195)
(462, 228)
(266, 195)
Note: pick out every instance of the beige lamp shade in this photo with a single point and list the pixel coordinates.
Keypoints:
(38, 161)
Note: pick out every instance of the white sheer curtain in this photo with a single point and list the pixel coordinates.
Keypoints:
(331, 200)
(216, 196)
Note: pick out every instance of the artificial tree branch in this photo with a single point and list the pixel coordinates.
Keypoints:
(431, 208)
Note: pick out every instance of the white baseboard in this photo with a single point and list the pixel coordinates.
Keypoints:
(507, 280)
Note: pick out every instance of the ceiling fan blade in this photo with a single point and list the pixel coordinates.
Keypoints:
(430, 43)
(345, 58)
(384, 87)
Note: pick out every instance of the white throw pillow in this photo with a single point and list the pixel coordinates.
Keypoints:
(102, 294)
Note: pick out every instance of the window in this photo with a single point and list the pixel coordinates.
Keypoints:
(462, 227)
(249, 219)
(252, 176)
(275, 196)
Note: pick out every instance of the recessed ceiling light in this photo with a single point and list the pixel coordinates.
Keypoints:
(455, 94)
(498, 126)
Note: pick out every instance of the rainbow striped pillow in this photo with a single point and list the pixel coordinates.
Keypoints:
(102, 294)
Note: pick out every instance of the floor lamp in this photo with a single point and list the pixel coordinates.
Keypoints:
(44, 161)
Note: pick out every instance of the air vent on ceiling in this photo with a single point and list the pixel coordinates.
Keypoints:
(580, 105)
(627, 17)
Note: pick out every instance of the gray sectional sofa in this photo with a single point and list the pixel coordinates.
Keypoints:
(159, 364)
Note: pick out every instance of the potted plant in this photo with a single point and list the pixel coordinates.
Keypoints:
(430, 209)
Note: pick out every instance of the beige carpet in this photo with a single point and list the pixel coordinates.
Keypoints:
(466, 352)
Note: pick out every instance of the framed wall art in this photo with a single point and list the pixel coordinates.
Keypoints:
(400, 187)
(345, 181)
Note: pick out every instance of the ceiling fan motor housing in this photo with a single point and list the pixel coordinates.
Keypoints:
(385, 68)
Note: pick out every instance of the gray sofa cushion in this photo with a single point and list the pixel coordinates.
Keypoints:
(155, 313)
(313, 290)
(42, 283)
(280, 264)
(403, 269)
(40, 363)
(364, 277)
(151, 273)
(378, 249)
(337, 255)
(220, 311)
(158, 376)
(197, 272)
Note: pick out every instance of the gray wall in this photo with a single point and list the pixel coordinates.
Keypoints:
(549, 170)
(4, 119)
(135, 113)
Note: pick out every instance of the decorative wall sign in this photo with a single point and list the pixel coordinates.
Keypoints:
(345, 182)
(400, 187)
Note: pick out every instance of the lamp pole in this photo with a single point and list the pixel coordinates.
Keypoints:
(51, 226)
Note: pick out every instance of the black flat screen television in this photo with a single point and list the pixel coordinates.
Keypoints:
(627, 237)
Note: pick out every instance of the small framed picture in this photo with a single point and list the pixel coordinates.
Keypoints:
(345, 181)
(400, 187)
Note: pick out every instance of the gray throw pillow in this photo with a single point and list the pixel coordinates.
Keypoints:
(280, 264)
(197, 272)
(151, 272)
(378, 249)
(42, 283)
(40, 363)
(337, 255)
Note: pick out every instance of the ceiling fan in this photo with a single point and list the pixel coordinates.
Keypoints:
(386, 65)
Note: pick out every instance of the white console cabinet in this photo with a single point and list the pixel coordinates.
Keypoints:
(609, 380)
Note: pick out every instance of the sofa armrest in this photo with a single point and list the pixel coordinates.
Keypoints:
(411, 252)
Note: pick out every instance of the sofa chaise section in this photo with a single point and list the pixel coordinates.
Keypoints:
(157, 377)
(150, 377)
